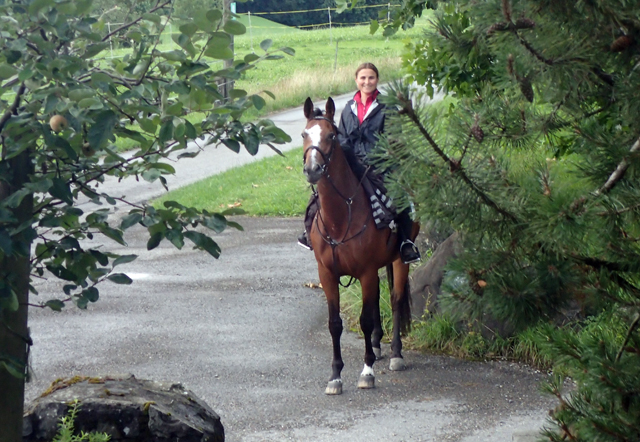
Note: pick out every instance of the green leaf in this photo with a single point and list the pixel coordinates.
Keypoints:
(81, 302)
(373, 26)
(174, 55)
(112, 233)
(119, 278)
(166, 131)
(154, 240)
(7, 71)
(81, 93)
(249, 58)
(258, 101)
(203, 242)
(234, 27)
(6, 245)
(60, 189)
(266, 44)
(91, 103)
(154, 18)
(289, 51)
(214, 15)
(55, 304)
(124, 259)
(163, 167)
(130, 220)
(91, 294)
(94, 49)
(102, 129)
(216, 222)
(189, 29)
(147, 125)
(232, 144)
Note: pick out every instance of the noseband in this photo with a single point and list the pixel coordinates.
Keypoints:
(326, 158)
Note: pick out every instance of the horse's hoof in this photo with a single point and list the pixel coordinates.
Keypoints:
(334, 387)
(378, 353)
(367, 381)
(397, 364)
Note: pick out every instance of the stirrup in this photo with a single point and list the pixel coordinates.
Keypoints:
(411, 255)
(303, 241)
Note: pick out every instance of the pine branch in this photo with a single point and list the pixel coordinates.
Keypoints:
(619, 172)
(454, 165)
(633, 326)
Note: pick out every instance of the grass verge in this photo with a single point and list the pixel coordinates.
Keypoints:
(274, 186)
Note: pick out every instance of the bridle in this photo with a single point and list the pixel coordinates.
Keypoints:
(326, 158)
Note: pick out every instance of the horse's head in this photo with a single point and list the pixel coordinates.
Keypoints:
(320, 138)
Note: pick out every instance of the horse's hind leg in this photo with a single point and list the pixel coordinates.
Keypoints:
(401, 307)
(370, 308)
(332, 292)
(376, 336)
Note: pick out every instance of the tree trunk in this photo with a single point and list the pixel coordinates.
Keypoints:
(228, 84)
(14, 334)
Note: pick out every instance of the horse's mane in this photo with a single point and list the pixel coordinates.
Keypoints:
(317, 112)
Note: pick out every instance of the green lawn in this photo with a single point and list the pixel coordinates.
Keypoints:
(274, 186)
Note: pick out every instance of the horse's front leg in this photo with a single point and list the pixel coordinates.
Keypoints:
(370, 308)
(401, 307)
(332, 292)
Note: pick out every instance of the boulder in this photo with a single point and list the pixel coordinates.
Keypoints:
(126, 408)
(427, 279)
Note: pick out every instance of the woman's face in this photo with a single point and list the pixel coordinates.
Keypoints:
(367, 81)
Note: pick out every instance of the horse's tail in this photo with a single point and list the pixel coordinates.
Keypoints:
(400, 302)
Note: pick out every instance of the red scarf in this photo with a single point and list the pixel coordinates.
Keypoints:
(364, 107)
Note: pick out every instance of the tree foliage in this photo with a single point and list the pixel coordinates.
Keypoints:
(535, 162)
(63, 107)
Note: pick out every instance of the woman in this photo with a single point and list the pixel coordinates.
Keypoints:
(361, 122)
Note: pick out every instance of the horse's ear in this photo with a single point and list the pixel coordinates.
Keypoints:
(330, 109)
(308, 108)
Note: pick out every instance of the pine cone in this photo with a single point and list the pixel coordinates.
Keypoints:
(502, 26)
(525, 23)
(621, 43)
(526, 89)
(477, 133)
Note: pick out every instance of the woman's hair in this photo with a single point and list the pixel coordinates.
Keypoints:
(368, 66)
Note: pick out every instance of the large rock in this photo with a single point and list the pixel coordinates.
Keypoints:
(427, 279)
(126, 408)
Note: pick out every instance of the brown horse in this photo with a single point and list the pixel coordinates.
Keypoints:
(346, 242)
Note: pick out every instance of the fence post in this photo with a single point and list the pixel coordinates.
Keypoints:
(330, 31)
(110, 42)
(250, 30)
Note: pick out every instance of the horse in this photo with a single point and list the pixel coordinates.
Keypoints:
(346, 241)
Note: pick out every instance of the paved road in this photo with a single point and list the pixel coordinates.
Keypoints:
(246, 335)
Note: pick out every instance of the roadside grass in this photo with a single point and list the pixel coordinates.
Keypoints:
(274, 186)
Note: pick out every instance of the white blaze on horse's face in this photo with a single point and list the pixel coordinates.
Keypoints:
(314, 134)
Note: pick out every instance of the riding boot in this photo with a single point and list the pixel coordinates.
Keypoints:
(409, 252)
(309, 215)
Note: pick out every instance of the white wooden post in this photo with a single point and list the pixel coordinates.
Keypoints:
(250, 30)
(330, 31)
(110, 42)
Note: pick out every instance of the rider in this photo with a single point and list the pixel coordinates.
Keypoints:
(362, 120)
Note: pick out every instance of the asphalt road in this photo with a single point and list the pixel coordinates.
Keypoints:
(246, 335)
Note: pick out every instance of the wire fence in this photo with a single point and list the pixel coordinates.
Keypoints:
(330, 23)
